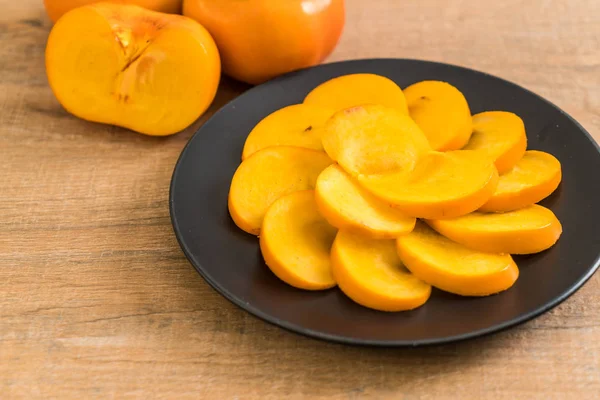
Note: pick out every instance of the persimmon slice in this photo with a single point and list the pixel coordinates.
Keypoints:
(370, 272)
(452, 267)
(442, 185)
(442, 112)
(534, 178)
(373, 139)
(501, 136)
(296, 125)
(295, 241)
(524, 231)
(357, 89)
(348, 206)
(266, 176)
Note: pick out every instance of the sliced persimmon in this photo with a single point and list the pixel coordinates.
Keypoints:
(295, 241)
(266, 176)
(373, 139)
(442, 185)
(501, 136)
(357, 89)
(348, 206)
(525, 231)
(370, 273)
(452, 267)
(534, 178)
(442, 112)
(296, 125)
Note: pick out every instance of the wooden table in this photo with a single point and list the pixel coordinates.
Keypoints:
(98, 301)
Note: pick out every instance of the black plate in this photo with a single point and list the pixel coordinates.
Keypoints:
(230, 259)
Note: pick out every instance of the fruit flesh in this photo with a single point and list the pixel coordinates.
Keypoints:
(296, 125)
(261, 39)
(452, 267)
(373, 139)
(124, 65)
(356, 90)
(534, 178)
(57, 8)
(295, 241)
(442, 185)
(266, 176)
(524, 231)
(442, 112)
(347, 206)
(369, 272)
(501, 136)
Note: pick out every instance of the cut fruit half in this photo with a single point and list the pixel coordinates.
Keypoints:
(452, 267)
(296, 240)
(369, 272)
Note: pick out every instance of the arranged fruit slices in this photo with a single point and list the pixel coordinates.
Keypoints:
(347, 216)
(373, 139)
(370, 273)
(452, 267)
(441, 185)
(295, 241)
(347, 206)
(501, 136)
(442, 112)
(525, 231)
(266, 176)
(357, 89)
(296, 125)
(532, 179)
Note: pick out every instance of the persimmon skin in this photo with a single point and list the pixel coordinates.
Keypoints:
(128, 66)
(535, 177)
(452, 267)
(261, 39)
(348, 206)
(295, 242)
(525, 231)
(370, 273)
(57, 8)
(267, 175)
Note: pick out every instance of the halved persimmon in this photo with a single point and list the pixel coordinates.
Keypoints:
(452, 267)
(442, 112)
(295, 241)
(370, 272)
(501, 136)
(373, 139)
(441, 185)
(348, 206)
(534, 178)
(357, 89)
(297, 125)
(266, 176)
(525, 231)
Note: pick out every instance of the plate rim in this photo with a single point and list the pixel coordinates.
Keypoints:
(340, 339)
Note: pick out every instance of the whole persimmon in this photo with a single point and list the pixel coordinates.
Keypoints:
(260, 39)
(56, 8)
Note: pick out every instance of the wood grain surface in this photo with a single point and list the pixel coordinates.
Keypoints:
(98, 301)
